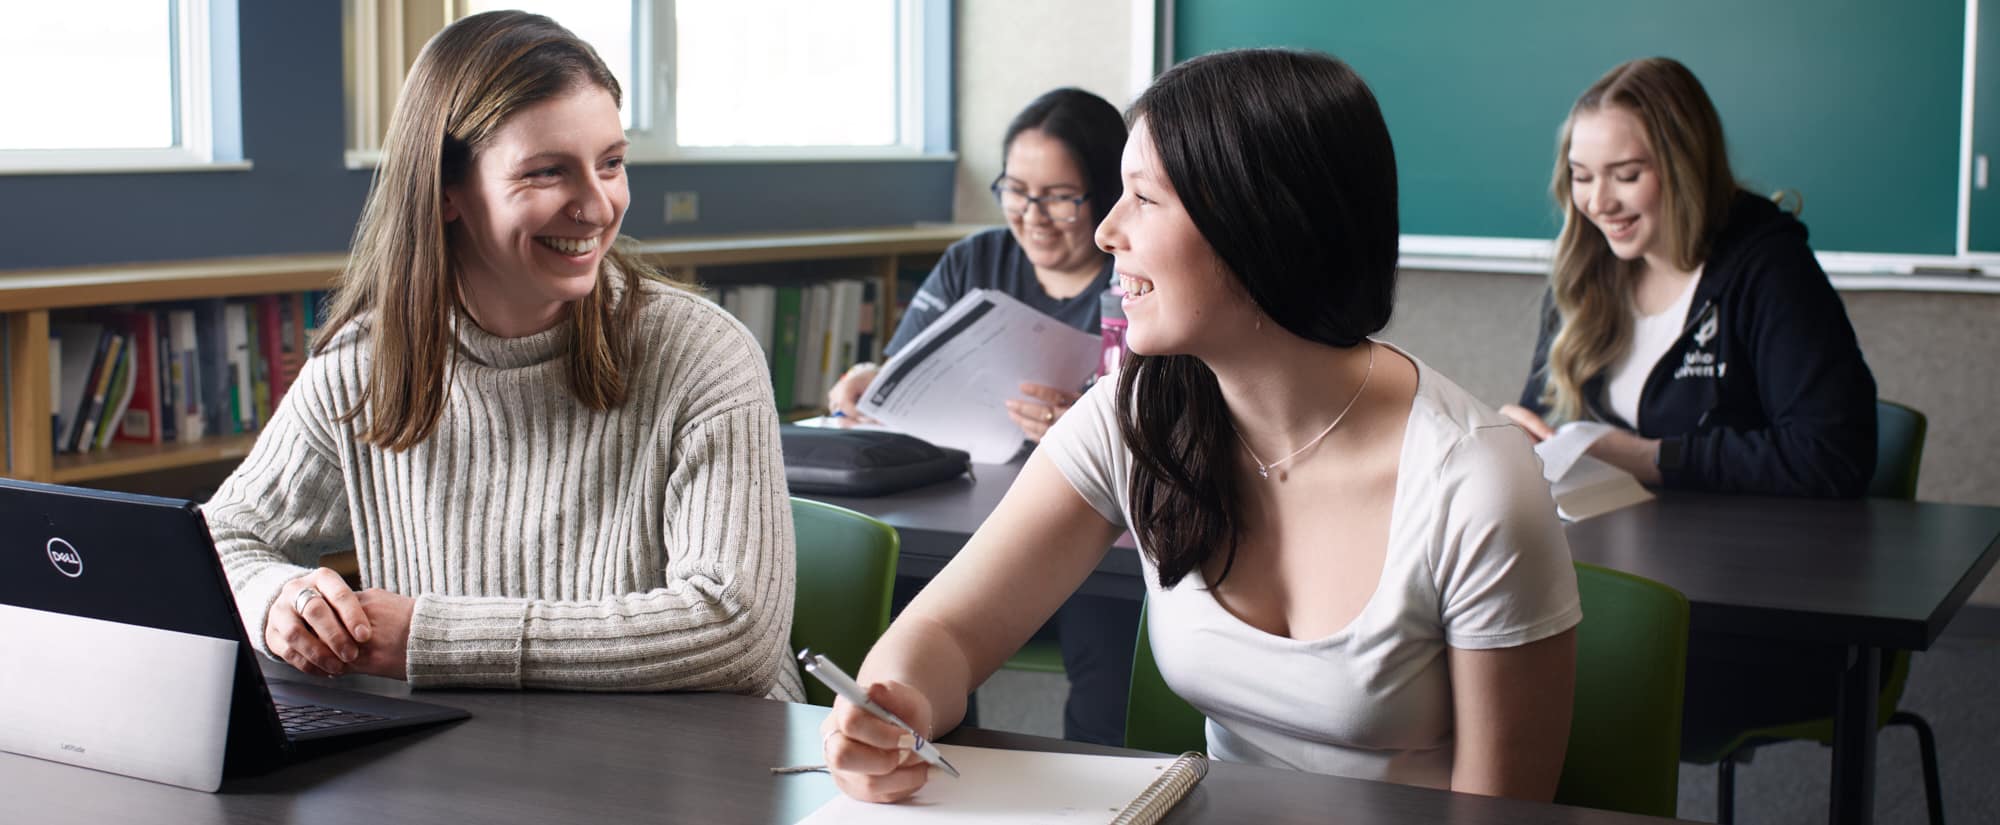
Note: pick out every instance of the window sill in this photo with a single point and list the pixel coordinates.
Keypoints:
(369, 159)
(141, 168)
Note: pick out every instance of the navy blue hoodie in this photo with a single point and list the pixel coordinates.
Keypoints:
(1765, 390)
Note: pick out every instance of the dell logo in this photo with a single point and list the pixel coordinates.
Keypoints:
(67, 561)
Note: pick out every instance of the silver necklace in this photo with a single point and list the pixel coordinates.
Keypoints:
(1263, 469)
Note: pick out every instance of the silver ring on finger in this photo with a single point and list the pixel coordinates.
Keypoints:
(304, 596)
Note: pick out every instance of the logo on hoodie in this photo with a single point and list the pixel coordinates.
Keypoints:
(1708, 329)
(1698, 362)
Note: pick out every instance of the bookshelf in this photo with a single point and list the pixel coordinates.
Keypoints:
(28, 296)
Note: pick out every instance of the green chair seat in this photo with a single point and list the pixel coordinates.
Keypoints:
(1038, 656)
(846, 578)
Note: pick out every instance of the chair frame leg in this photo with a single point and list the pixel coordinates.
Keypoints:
(1927, 748)
(1725, 789)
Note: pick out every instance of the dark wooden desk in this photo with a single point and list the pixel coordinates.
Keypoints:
(682, 758)
(1870, 575)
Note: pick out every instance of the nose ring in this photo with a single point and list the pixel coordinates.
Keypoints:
(578, 214)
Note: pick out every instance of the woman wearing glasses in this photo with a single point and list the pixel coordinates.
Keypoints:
(1060, 175)
(1058, 179)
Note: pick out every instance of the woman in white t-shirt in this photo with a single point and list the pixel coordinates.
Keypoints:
(1354, 566)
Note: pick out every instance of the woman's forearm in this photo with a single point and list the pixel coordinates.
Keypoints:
(923, 654)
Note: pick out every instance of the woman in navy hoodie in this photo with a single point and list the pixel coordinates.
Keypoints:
(1688, 313)
(1693, 317)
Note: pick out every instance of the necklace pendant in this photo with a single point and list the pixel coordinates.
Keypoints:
(1263, 471)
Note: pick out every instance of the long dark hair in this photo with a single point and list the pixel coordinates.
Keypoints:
(1090, 128)
(1283, 163)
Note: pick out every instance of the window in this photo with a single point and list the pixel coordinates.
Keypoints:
(728, 79)
(130, 85)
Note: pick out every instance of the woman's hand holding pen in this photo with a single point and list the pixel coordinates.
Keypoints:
(873, 760)
(1035, 418)
(322, 627)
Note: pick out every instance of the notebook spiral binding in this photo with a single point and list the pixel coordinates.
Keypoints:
(1167, 790)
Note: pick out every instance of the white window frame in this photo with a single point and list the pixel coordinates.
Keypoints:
(381, 47)
(194, 143)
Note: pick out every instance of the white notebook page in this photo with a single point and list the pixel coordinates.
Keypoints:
(1001, 786)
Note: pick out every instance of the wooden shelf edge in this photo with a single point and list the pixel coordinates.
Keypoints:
(132, 459)
(803, 246)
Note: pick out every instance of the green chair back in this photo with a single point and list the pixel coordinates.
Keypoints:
(1625, 726)
(1156, 718)
(1624, 734)
(846, 575)
(1899, 450)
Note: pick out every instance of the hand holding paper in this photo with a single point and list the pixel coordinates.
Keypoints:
(951, 384)
(1584, 486)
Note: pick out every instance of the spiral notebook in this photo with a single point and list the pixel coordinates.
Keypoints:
(1002, 787)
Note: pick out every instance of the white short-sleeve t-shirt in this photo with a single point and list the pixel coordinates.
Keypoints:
(1476, 560)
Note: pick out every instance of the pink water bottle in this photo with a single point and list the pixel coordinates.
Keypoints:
(1111, 325)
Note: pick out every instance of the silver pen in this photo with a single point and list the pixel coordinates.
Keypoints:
(839, 682)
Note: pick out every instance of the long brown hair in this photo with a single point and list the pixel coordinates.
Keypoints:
(401, 282)
(1592, 288)
(1284, 165)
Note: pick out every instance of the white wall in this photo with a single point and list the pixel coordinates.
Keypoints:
(1010, 51)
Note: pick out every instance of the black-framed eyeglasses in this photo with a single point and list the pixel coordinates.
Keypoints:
(1059, 208)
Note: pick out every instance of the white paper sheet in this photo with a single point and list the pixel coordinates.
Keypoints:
(1001, 787)
(1571, 440)
(950, 384)
(1581, 485)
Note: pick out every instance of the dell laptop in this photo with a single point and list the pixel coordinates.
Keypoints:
(123, 650)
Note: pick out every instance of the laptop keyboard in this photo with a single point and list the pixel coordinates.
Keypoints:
(308, 718)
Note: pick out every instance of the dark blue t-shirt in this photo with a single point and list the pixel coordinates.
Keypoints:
(993, 260)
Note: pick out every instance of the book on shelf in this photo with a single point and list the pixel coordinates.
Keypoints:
(291, 344)
(810, 333)
(163, 365)
(101, 370)
(236, 344)
(137, 418)
(785, 345)
(211, 348)
(174, 372)
(118, 395)
(184, 376)
(811, 364)
(78, 344)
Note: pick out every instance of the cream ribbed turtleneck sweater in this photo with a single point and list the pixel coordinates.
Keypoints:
(647, 547)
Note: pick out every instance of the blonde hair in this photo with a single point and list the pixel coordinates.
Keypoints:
(401, 272)
(1592, 288)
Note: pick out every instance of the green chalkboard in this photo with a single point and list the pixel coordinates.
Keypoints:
(1855, 104)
